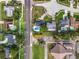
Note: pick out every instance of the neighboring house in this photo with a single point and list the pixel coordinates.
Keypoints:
(65, 24)
(9, 10)
(7, 53)
(9, 24)
(40, 22)
(69, 24)
(11, 39)
(74, 23)
(59, 51)
(51, 26)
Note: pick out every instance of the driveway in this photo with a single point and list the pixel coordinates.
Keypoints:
(52, 7)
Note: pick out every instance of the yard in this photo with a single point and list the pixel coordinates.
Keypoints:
(76, 15)
(1, 37)
(38, 51)
(59, 16)
(48, 18)
(67, 3)
(2, 55)
(14, 51)
(37, 12)
(22, 53)
(64, 2)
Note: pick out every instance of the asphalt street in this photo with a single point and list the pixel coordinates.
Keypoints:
(28, 47)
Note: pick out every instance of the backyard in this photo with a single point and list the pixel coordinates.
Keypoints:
(2, 55)
(38, 51)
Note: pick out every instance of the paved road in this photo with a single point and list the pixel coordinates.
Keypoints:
(28, 46)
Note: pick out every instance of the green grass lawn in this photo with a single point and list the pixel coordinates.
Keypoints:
(22, 25)
(48, 18)
(1, 37)
(64, 2)
(37, 12)
(14, 52)
(22, 53)
(2, 55)
(77, 56)
(76, 15)
(38, 51)
(59, 16)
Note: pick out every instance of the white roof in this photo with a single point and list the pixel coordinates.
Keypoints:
(9, 10)
(51, 26)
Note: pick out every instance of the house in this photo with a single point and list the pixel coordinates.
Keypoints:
(74, 23)
(12, 27)
(11, 39)
(51, 26)
(9, 10)
(7, 53)
(59, 50)
(40, 22)
(9, 24)
(36, 28)
(65, 21)
(65, 24)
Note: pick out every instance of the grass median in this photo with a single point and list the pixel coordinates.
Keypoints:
(38, 51)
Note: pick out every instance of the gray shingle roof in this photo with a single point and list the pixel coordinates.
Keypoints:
(11, 40)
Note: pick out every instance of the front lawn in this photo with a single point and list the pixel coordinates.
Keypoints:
(38, 51)
(37, 12)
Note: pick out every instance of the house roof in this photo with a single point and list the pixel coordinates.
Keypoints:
(62, 48)
(40, 22)
(65, 21)
(58, 48)
(9, 10)
(51, 26)
(11, 38)
(74, 23)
